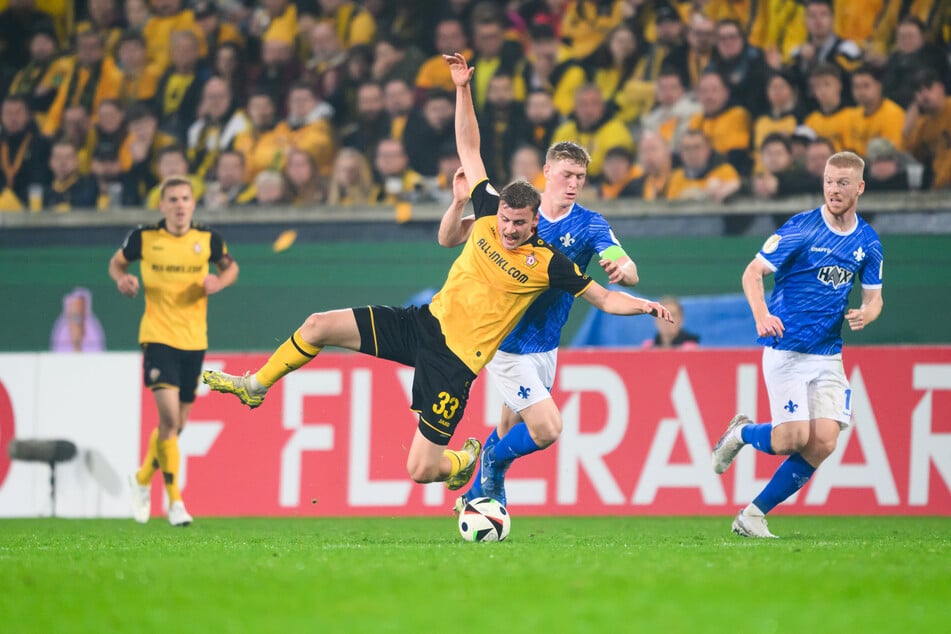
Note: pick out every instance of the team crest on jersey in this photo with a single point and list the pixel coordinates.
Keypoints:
(772, 243)
(197, 247)
(566, 240)
(835, 276)
(858, 254)
(531, 260)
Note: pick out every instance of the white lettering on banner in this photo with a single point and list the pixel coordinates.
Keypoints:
(658, 470)
(874, 473)
(577, 451)
(927, 447)
(305, 437)
(196, 443)
(361, 490)
(746, 485)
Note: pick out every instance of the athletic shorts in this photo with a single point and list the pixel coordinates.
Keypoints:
(167, 367)
(413, 337)
(523, 379)
(806, 387)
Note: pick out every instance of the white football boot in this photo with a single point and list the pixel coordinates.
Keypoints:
(751, 526)
(141, 500)
(178, 516)
(724, 452)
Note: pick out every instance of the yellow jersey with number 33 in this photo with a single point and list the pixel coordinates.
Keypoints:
(489, 288)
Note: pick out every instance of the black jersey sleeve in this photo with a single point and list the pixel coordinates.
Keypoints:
(565, 274)
(485, 200)
(132, 245)
(218, 247)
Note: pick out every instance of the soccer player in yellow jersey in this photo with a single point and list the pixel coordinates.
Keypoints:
(503, 267)
(174, 254)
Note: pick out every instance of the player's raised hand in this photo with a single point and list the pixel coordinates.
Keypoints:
(856, 319)
(128, 285)
(460, 185)
(770, 326)
(459, 69)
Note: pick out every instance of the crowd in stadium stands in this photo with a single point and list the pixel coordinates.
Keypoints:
(335, 102)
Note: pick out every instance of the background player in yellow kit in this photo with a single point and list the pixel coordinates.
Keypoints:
(174, 254)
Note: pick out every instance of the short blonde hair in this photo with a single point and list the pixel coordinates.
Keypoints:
(848, 160)
(174, 181)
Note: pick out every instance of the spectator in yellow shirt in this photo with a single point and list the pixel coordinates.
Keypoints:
(874, 116)
(724, 125)
(831, 119)
(703, 174)
(434, 72)
(927, 131)
(169, 16)
(354, 24)
(593, 128)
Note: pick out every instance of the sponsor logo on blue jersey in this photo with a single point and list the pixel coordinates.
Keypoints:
(835, 276)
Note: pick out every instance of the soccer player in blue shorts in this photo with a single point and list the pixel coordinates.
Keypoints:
(816, 256)
(524, 366)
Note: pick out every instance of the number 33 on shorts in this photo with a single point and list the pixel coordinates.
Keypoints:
(447, 406)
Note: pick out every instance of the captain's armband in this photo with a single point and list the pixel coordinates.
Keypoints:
(613, 253)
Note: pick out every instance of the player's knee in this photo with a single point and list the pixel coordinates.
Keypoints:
(546, 432)
(822, 448)
(313, 327)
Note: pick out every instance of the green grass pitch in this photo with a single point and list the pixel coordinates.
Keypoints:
(630, 574)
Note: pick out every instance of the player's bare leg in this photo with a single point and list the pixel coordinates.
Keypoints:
(429, 462)
(333, 328)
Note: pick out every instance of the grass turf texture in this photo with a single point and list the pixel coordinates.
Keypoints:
(417, 575)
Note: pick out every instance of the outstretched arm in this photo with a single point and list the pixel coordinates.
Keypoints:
(767, 325)
(618, 303)
(467, 127)
(868, 312)
(454, 229)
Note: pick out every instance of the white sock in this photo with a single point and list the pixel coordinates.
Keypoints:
(753, 511)
(738, 434)
(255, 385)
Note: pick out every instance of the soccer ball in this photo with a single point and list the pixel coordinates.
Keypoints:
(484, 520)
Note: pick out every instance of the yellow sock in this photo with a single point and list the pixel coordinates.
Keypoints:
(168, 461)
(150, 463)
(290, 355)
(458, 460)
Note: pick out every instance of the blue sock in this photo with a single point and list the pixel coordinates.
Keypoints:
(759, 435)
(475, 490)
(515, 444)
(791, 476)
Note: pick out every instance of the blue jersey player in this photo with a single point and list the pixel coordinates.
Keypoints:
(816, 257)
(524, 367)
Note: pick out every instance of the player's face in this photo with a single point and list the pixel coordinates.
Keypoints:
(564, 181)
(515, 225)
(841, 187)
(178, 206)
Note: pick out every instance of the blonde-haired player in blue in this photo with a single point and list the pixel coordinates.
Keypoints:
(524, 366)
(816, 257)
